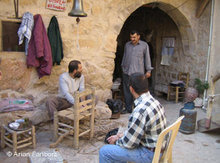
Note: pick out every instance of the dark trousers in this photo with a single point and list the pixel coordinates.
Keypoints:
(128, 97)
(57, 104)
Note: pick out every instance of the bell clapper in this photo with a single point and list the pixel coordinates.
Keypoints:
(77, 20)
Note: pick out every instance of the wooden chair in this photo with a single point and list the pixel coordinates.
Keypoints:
(67, 122)
(172, 130)
(178, 90)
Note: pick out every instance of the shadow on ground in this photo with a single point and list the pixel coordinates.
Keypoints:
(188, 148)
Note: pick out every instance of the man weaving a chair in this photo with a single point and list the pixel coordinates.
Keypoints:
(146, 122)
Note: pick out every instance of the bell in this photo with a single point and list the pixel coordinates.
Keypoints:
(77, 10)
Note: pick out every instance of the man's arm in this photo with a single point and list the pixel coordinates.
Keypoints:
(134, 133)
(82, 84)
(147, 61)
(124, 56)
(112, 139)
(65, 90)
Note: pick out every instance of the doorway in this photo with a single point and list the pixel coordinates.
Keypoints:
(153, 24)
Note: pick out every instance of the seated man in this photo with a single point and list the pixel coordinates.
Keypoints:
(138, 142)
(69, 82)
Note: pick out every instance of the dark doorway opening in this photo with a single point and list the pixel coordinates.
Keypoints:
(152, 23)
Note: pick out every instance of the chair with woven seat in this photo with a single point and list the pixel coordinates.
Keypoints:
(178, 87)
(70, 122)
(172, 131)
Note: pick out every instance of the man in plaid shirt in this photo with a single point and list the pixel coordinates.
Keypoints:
(138, 142)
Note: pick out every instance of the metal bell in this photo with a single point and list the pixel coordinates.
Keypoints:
(77, 10)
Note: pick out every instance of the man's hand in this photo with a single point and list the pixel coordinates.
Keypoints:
(148, 74)
(112, 139)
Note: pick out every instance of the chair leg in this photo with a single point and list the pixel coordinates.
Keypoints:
(33, 137)
(92, 117)
(76, 130)
(2, 137)
(55, 122)
(177, 94)
(170, 159)
(168, 94)
(91, 126)
(14, 138)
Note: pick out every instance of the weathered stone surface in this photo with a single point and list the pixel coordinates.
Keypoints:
(97, 34)
(15, 74)
(102, 111)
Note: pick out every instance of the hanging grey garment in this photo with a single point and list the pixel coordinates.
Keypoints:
(167, 50)
(25, 29)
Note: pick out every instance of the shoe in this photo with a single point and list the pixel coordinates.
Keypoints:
(116, 115)
(124, 111)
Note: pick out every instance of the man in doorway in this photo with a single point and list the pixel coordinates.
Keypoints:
(146, 122)
(69, 82)
(136, 58)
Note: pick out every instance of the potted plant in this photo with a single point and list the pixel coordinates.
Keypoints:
(201, 86)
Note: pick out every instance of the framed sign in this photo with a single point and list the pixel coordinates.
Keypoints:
(59, 5)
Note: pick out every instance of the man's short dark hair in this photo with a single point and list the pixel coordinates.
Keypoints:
(139, 83)
(73, 65)
(133, 32)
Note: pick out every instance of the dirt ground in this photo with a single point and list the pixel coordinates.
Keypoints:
(188, 148)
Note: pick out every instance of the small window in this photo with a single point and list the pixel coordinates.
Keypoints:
(10, 37)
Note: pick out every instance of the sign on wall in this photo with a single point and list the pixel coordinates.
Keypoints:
(59, 5)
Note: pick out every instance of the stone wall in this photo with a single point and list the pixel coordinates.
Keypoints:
(96, 36)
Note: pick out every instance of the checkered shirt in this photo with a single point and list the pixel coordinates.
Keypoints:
(145, 123)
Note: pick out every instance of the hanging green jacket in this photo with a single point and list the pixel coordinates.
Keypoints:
(55, 39)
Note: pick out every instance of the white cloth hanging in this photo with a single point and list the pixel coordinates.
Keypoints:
(167, 50)
(25, 29)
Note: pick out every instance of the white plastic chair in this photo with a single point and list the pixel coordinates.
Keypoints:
(172, 130)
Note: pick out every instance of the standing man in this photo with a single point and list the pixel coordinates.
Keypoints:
(136, 59)
(147, 121)
(69, 82)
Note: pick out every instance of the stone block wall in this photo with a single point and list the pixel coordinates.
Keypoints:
(96, 36)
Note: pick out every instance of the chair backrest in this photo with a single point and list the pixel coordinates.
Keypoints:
(84, 107)
(172, 130)
(184, 77)
(84, 100)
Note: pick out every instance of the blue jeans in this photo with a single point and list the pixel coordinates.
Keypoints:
(128, 97)
(115, 154)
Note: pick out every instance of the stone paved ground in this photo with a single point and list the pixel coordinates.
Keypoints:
(191, 148)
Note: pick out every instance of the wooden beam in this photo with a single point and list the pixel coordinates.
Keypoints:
(201, 8)
(216, 77)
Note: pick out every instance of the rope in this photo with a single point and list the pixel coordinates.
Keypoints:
(77, 37)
